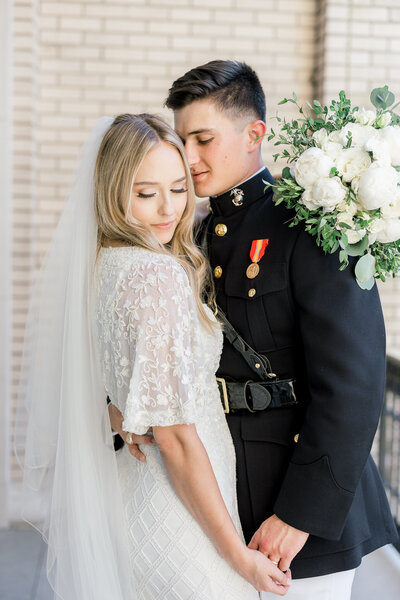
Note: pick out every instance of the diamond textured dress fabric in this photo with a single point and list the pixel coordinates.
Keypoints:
(159, 367)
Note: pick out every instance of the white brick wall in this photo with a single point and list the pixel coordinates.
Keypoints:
(77, 60)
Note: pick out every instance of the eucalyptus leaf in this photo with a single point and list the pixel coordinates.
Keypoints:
(359, 248)
(382, 97)
(366, 285)
(365, 268)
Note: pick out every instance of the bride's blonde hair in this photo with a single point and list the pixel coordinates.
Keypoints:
(122, 151)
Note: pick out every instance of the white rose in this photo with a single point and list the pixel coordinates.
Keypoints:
(351, 162)
(320, 137)
(365, 117)
(335, 137)
(355, 184)
(353, 235)
(384, 119)
(391, 136)
(378, 186)
(359, 134)
(390, 232)
(375, 227)
(310, 166)
(325, 193)
(349, 209)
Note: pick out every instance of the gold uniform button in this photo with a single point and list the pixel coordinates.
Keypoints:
(296, 438)
(221, 229)
(251, 293)
(217, 272)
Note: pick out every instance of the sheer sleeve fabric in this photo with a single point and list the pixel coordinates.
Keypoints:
(156, 310)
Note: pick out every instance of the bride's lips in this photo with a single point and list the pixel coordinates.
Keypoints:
(166, 225)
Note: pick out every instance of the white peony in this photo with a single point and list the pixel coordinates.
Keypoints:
(310, 166)
(326, 193)
(333, 150)
(391, 137)
(351, 162)
(365, 117)
(320, 136)
(390, 232)
(375, 227)
(384, 119)
(359, 133)
(392, 210)
(377, 187)
(353, 235)
(380, 150)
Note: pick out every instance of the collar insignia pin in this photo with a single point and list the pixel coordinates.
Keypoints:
(238, 195)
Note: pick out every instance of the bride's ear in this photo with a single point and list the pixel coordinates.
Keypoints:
(256, 132)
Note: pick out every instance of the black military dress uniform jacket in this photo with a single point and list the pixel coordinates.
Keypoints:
(309, 464)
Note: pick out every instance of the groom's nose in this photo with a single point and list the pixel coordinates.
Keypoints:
(191, 153)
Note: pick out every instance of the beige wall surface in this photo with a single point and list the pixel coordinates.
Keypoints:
(77, 60)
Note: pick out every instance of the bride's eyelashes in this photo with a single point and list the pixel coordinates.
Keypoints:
(153, 194)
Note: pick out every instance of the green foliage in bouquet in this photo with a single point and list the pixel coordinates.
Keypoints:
(371, 229)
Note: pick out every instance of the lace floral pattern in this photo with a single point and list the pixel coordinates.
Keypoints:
(148, 327)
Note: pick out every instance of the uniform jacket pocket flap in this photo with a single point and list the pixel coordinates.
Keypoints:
(272, 278)
(278, 425)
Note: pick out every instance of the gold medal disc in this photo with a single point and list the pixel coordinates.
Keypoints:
(252, 270)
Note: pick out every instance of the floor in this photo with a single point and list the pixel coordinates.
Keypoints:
(22, 565)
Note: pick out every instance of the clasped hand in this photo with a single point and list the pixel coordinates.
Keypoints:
(278, 541)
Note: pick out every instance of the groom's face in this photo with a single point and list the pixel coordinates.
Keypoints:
(217, 147)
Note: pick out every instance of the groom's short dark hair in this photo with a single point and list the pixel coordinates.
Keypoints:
(232, 85)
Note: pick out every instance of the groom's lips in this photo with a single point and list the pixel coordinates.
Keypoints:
(199, 176)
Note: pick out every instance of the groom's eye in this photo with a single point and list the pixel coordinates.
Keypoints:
(207, 141)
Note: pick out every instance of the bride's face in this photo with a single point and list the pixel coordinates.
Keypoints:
(160, 191)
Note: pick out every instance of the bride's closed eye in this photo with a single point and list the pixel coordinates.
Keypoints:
(179, 191)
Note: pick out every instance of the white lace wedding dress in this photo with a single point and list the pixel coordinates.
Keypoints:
(159, 367)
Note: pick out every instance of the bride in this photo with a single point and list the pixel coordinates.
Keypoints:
(118, 310)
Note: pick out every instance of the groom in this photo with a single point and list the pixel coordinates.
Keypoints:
(310, 496)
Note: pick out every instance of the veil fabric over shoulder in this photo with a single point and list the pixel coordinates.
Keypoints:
(67, 454)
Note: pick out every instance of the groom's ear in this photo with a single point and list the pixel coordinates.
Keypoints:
(256, 132)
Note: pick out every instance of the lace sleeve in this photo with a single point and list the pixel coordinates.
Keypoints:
(157, 309)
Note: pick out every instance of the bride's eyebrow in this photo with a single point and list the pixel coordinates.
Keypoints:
(146, 183)
(179, 180)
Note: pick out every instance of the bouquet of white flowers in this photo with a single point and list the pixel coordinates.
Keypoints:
(345, 180)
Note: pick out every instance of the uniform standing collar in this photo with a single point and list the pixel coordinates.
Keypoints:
(242, 195)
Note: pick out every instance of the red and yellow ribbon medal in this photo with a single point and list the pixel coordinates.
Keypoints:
(257, 251)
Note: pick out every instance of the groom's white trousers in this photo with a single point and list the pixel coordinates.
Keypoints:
(336, 586)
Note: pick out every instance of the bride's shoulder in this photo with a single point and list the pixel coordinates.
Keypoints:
(139, 265)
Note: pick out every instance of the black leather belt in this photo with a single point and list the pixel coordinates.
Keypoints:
(255, 396)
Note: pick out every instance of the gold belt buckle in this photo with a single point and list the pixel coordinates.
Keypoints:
(224, 393)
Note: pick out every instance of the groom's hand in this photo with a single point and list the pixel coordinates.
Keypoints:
(278, 541)
(116, 420)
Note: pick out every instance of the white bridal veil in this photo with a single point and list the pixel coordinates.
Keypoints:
(67, 453)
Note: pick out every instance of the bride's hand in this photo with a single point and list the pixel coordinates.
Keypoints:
(264, 575)
(116, 420)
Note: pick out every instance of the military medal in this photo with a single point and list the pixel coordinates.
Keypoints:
(256, 253)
